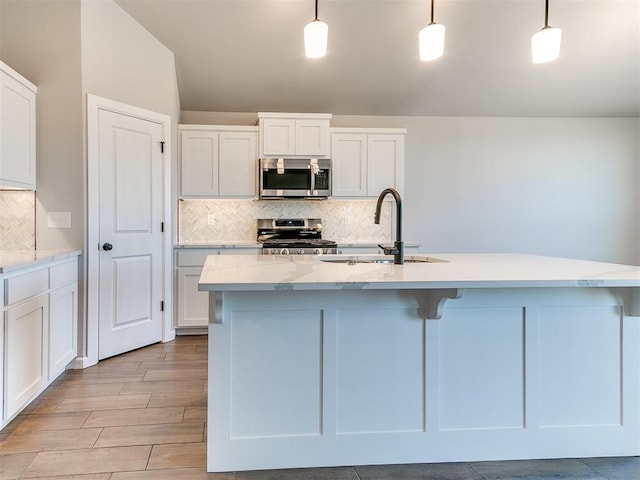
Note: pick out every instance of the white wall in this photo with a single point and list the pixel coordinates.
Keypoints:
(550, 186)
(41, 40)
(562, 187)
(124, 62)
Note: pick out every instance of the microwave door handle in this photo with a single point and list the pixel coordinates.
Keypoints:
(313, 182)
(313, 167)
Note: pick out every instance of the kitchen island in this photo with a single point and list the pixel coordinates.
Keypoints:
(446, 358)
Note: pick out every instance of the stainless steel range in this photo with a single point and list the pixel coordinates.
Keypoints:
(293, 236)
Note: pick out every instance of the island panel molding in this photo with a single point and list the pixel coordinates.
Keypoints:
(534, 358)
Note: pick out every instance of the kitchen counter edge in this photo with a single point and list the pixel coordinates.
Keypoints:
(13, 260)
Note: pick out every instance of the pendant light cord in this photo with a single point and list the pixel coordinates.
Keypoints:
(317, 9)
(546, 14)
(432, 2)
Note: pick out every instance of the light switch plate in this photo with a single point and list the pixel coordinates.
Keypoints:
(59, 220)
(211, 219)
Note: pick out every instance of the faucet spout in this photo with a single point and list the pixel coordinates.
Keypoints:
(398, 245)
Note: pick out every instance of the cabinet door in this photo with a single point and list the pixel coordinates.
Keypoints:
(278, 136)
(193, 306)
(26, 352)
(17, 134)
(385, 163)
(199, 162)
(312, 138)
(63, 320)
(237, 164)
(349, 164)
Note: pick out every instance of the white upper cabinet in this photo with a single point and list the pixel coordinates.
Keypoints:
(218, 161)
(366, 161)
(294, 134)
(385, 162)
(349, 164)
(17, 130)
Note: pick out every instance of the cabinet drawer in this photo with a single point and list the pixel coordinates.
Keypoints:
(63, 273)
(194, 258)
(27, 285)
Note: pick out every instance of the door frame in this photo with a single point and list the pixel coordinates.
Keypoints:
(92, 253)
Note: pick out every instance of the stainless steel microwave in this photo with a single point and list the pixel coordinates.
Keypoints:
(295, 178)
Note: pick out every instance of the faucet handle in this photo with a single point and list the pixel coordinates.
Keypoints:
(389, 249)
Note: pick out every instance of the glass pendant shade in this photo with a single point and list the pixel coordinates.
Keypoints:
(315, 39)
(431, 41)
(545, 45)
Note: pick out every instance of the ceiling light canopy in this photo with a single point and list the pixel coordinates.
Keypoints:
(431, 40)
(315, 37)
(545, 45)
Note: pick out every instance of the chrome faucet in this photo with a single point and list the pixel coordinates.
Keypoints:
(397, 250)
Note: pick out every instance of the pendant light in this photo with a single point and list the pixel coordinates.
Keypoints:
(431, 40)
(545, 45)
(315, 37)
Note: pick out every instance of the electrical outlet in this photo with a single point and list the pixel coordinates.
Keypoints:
(211, 219)
(346, 220)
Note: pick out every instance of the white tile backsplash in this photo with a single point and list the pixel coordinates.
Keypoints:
(17, 220)
(227, 221)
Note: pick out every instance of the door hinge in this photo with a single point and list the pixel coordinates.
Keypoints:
(162, 226)
(161, 147)
(162, 305)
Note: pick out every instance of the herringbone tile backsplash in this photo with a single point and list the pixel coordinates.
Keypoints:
(17, 220)
(344, 221)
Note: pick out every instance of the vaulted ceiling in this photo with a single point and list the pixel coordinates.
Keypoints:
(248, 56)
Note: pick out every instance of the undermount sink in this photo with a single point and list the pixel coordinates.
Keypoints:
(355, 259)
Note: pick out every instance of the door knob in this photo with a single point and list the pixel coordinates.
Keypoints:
(107, 246)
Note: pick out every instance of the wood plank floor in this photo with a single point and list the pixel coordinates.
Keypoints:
(142, 415)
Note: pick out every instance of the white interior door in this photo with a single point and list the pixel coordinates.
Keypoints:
(130, 176)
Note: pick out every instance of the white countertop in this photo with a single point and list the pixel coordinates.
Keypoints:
(307, 272)
(241, 244)
(237, 244)
(11, 260)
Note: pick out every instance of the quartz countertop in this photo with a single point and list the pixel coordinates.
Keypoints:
(238, 244)
(308, 272)
(375, 245)
(11, 260)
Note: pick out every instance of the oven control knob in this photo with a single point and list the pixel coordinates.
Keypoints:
(300, 251)
(317, 251)
(284, 251)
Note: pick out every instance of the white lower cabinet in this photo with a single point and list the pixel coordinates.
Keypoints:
(38, 338)
(26, 353)
(63, 322)
(192, 305)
